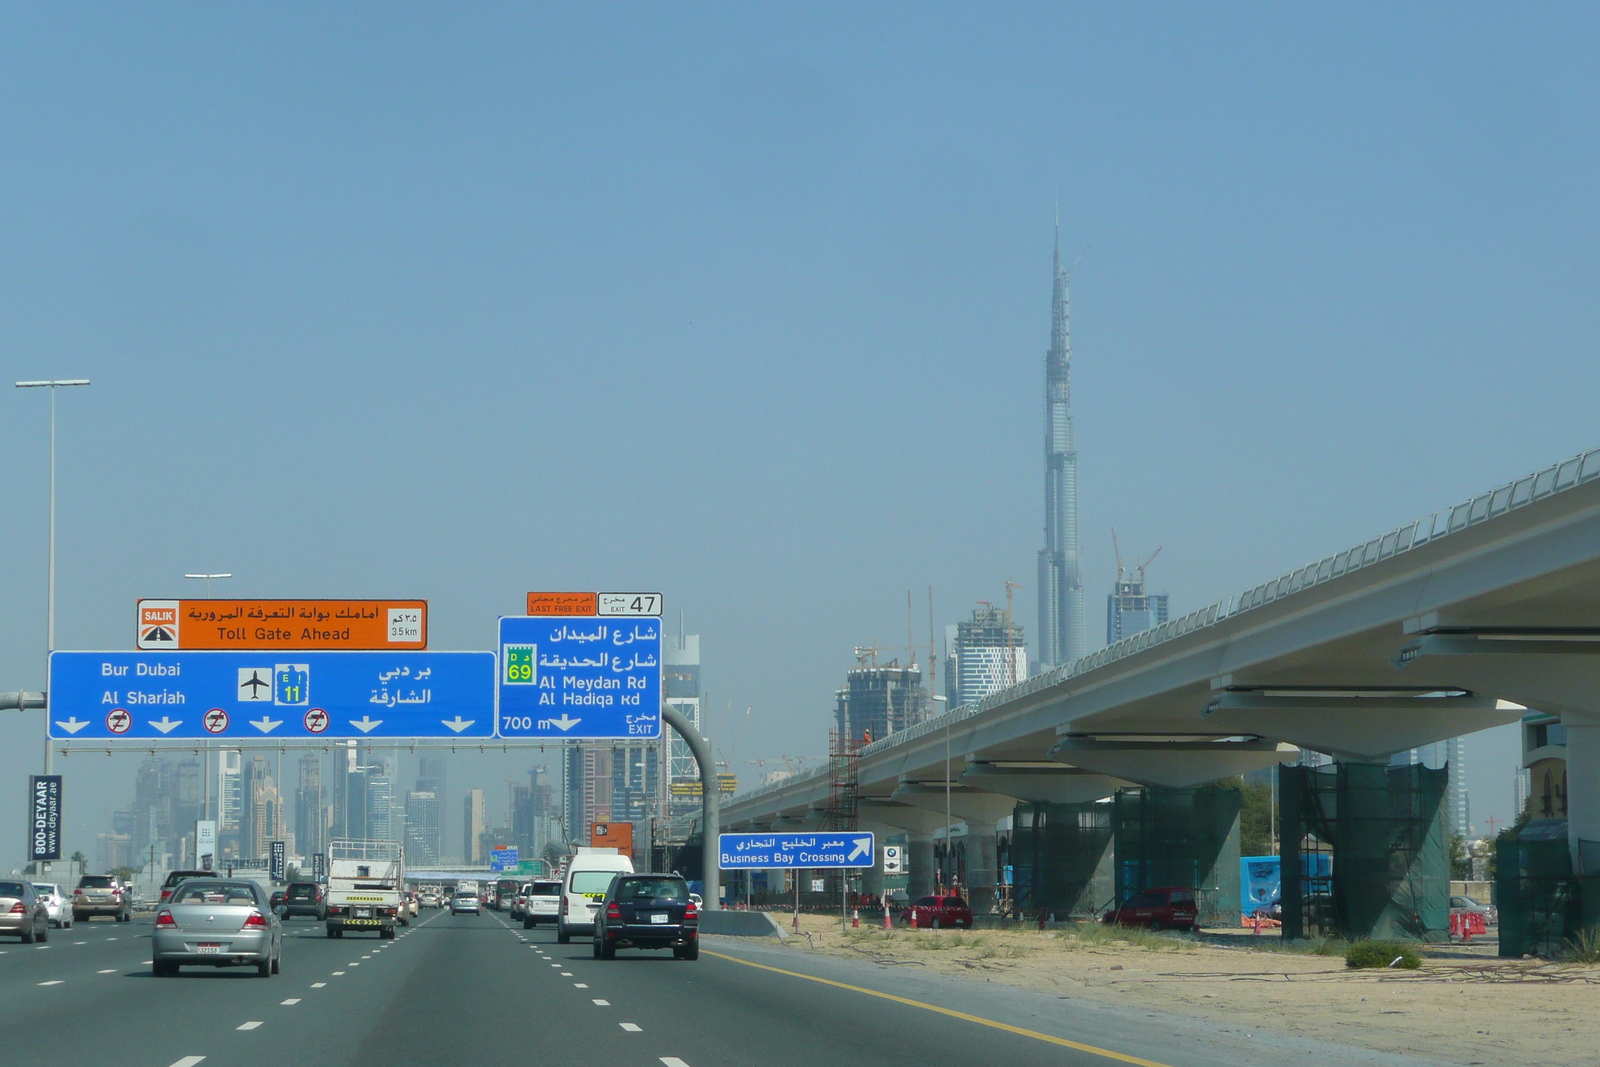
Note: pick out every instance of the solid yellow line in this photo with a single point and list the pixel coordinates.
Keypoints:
(1007, 1027)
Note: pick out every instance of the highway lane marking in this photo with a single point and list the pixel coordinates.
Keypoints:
(249, 1026)
(108, 970)
(80, 942)
(673, 1061)
(291, 1000)
(632, 1028)
(566, 974)
(1120, 1057)
(318, 985)
(337, 973)
(602, 1003)
(188, 1061)
(57, 981)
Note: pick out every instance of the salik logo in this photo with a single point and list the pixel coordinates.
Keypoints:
(291, 683)
(158, 624)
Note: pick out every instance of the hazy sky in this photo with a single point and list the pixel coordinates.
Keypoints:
(748, 304)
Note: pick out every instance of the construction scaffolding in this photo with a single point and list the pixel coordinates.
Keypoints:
(1180, 837)
(1060, 859)
(1387, 871)
(1543, 904)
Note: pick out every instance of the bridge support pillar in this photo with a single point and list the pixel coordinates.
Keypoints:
(1583, 793)
(920, 865)
(983, 870)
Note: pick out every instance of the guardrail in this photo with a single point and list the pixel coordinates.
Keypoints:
(1556, 478)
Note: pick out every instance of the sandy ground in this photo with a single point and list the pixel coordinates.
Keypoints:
(1464, 1006)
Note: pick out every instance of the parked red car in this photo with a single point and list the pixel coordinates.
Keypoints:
(1168, 907)
(937, 912)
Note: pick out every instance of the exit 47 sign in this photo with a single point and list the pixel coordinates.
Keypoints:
(586, 676)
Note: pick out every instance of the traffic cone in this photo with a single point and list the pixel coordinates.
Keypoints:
(888, 923)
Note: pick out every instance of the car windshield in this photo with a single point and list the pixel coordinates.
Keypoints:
(1150, 898)
(954, 902)
(11, 889)
(47, 888)
(592, 881)
(227, 893)
(95, 881)
(545, 889)
(652, 889)
(177, 876)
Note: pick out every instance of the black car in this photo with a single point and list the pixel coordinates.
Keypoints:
(305, 898)
(647, 911)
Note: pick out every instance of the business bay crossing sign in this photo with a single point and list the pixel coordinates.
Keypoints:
(765, 852)
(589, 677)
(284, 694)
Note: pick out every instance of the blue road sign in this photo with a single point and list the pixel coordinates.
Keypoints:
(584, 677)
(503, 859)
(255, 695)
(760, 852)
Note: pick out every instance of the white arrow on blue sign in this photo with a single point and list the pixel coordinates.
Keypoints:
(736, 852)
(596, 678)
(253, 695)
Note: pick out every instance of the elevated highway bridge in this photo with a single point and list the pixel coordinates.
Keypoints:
(1444, 626)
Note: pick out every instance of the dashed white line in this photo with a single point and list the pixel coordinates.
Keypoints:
(56, 981)
(188, 1061)
(113, 939)
(249, 1025)
(580, 985)
(318, 985)
(632, 1028)
(566, 974)
(673, 1061)
(291, 1000)
(337, 973)
(108, 970)
(80, 942)
(602, 1003)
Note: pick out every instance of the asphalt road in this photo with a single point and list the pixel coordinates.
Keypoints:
(465, 989)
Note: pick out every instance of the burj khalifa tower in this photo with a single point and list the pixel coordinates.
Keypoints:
(1061, 618)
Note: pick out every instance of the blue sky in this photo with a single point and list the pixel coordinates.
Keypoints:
(749, 304)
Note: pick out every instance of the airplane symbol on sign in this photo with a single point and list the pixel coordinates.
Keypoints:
(255, 683)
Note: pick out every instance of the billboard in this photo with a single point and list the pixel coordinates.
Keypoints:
(205, 844)
(44, 829)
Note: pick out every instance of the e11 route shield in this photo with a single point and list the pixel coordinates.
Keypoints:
(587, 677)
(293, 694)
(759, 852)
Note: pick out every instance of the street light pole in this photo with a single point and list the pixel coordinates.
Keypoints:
(50, 604)
(205, 773)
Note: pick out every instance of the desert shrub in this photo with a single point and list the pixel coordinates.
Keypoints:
(1585, 948)
(1382, 954)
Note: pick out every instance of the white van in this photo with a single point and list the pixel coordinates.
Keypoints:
(588, 877)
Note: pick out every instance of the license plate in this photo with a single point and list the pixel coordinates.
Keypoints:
(658, 918)
(208, 949)
(363, 913)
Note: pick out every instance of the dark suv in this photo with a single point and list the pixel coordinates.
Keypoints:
(305, 898)
(101, 894)
(647, 911)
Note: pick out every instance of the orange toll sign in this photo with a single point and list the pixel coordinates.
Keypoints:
(248, 624)
(563, 604)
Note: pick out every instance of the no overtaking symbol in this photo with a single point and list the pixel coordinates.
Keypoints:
(216, 720)
(118, 721)
(316, 720)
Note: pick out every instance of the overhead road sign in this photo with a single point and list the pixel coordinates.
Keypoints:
(221, 625)
(761, 852)
(608, 605)
(580, 677)
(241, 696)
(503, 858)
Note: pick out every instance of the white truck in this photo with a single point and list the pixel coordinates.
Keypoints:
(364, 883)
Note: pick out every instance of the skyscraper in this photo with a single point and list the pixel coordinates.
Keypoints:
(423, 828)
(474, 821)
(310, 819)
(986, 654)
(1130, 610)
(1061, 618)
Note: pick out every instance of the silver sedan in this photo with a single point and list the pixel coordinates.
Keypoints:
(214, 922)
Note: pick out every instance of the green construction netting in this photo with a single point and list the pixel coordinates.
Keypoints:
(1181, 837)
(1542, 903)
(1060, 857)
(1389, 873)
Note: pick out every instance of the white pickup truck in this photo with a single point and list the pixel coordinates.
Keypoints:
(364, 883)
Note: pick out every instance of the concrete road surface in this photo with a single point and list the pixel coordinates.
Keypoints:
(478, 990)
